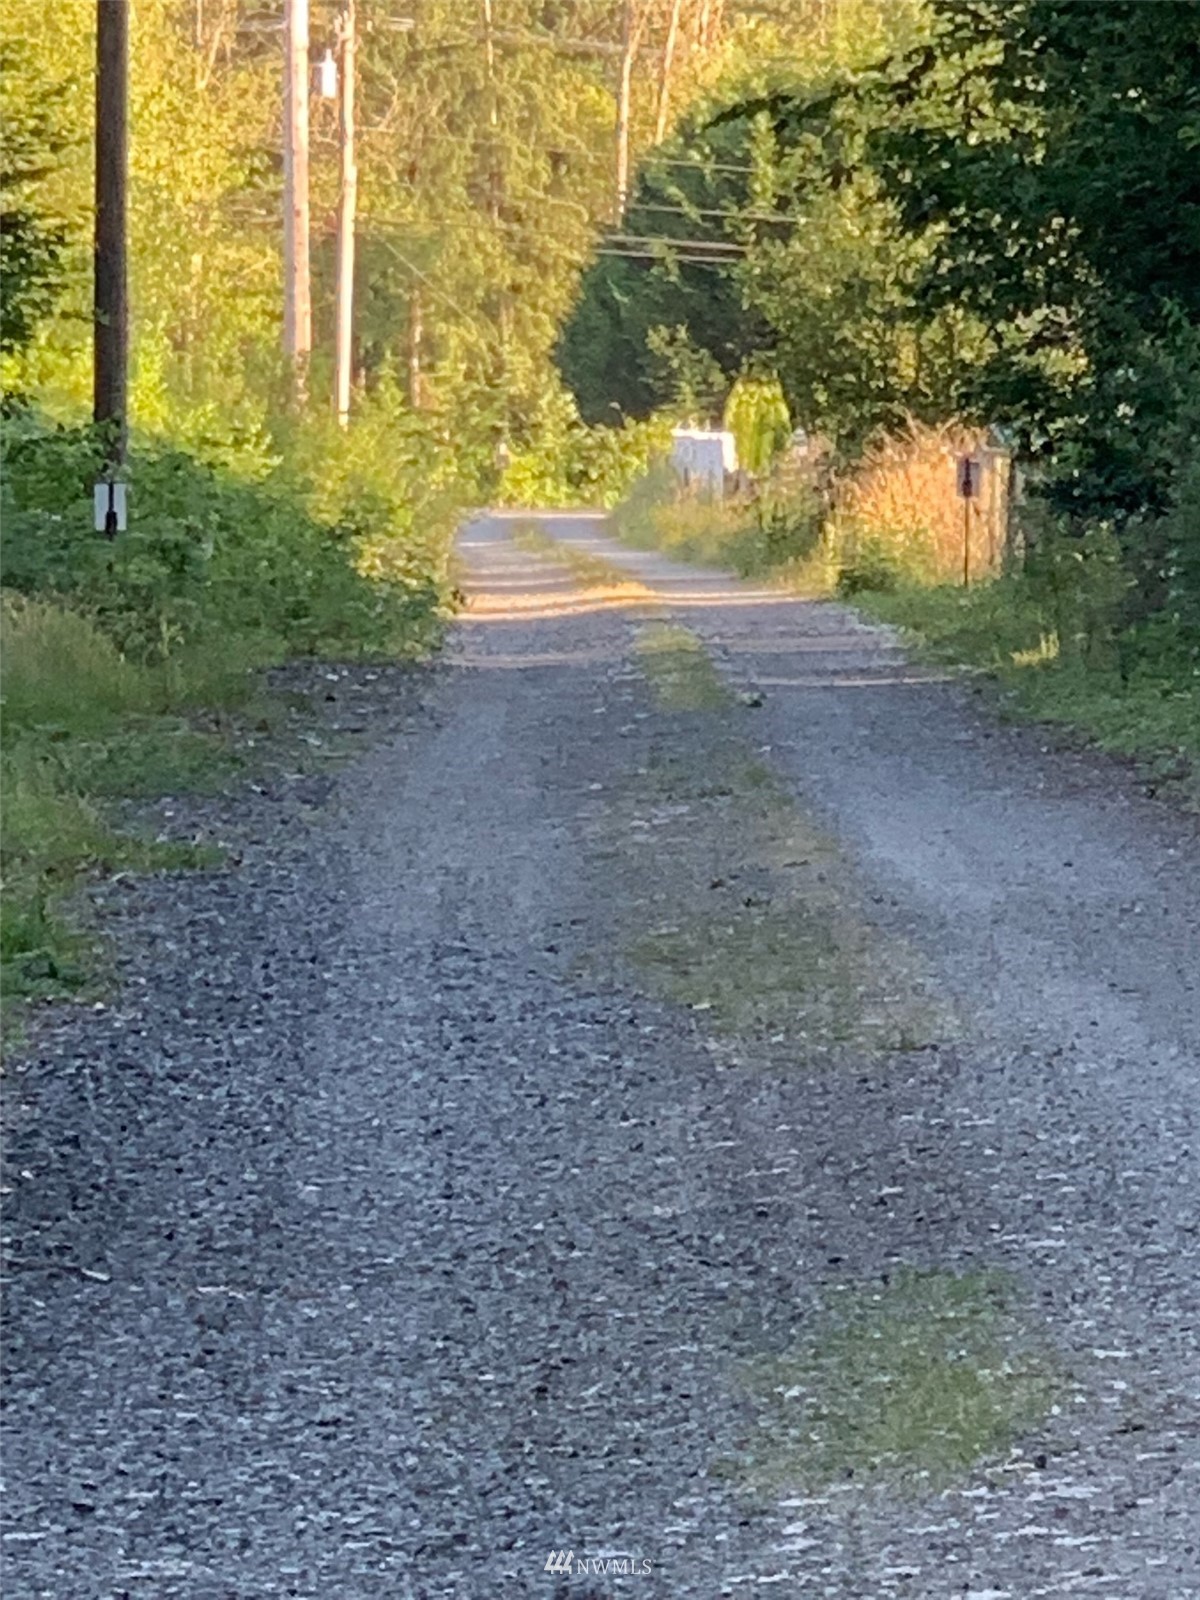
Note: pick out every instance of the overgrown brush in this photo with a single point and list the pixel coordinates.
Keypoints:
(565, 463)
(207, 555)
(773, 533)
(896, 515)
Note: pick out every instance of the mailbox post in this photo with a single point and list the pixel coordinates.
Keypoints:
(970, 476)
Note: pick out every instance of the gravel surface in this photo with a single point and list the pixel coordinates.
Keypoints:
(398, 1224)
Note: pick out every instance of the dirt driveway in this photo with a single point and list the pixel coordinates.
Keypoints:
(701, 1108)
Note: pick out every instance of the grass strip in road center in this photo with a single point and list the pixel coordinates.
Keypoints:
(590, 570)
(680, 670)
(745, 913)
(912, 1382)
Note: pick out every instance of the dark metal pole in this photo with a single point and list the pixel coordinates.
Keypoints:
(111, 346)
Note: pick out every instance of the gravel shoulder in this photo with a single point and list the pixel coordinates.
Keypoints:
(569, 1112)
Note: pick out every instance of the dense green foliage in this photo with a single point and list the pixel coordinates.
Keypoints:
(210, 554)
(984, 211)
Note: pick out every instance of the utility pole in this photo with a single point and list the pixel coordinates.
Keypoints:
(495, 188)
(297, 290)
(668, 62)
(110, 286)
(346, 212)
(631, 37)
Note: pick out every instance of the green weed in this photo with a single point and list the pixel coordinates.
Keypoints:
(911, 1383)
(679, 669)
(50, 836)
(82, 724)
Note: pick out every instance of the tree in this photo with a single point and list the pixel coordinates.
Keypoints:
(32, 241)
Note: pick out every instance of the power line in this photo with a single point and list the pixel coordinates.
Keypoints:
(727, 245)
(481, 224)
(683, 261)
(696, 161)
(588, 221)
(708, 211)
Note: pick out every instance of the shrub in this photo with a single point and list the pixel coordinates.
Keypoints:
(756, 413)
(208, 555)
(872, 568)
(774, 532)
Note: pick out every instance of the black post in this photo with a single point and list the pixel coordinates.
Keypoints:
(111, 347)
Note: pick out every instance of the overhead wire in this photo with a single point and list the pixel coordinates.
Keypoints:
(682, 261)
(723, 246)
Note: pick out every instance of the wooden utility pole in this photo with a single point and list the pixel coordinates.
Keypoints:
(110, 298)
(624, 94)
(668, 63)
(632, 27)
(297, 290)
(347, 203)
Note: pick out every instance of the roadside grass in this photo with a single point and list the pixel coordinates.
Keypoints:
(910, 1384)
(84, 726)
(776, 537)
(52, 836)
(1138, 697)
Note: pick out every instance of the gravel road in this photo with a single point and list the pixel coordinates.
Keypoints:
(698, 1093)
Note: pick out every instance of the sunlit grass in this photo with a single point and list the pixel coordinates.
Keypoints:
(1045, 650)
(1148, 706)
(84, 726)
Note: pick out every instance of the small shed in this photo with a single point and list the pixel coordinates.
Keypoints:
(703, 457)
